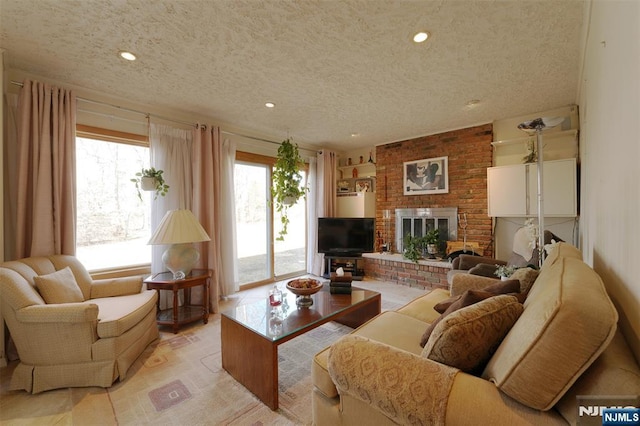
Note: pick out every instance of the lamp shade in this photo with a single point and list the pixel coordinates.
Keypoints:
(178, 227)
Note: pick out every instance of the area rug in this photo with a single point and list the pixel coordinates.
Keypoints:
(179, 380)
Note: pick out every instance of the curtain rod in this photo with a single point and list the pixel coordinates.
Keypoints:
(147, 114)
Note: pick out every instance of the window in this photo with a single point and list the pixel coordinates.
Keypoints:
(113, 224)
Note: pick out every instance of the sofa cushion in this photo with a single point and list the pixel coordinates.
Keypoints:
(500, 287)
(615, 372)
(468, 337)
(116, 315)
(59, 287)
(526, 277)
(568, 320)
(421, 308)
(468, 298)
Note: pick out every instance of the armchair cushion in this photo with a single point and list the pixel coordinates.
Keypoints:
(468, 337)
(59, 287)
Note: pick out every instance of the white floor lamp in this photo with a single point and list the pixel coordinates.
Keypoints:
(538, 125)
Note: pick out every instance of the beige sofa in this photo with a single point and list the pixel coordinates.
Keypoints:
(88, 334)
(562, 342)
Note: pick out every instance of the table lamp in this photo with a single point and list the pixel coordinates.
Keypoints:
(180, 228)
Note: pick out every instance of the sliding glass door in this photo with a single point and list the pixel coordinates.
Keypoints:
(290, 254)
(261, 258)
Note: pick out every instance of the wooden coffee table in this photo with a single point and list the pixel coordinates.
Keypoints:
(251, 335)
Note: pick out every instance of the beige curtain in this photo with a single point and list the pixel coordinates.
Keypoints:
(213, 204)
(170, 151)
(323, 204)
(46, 171)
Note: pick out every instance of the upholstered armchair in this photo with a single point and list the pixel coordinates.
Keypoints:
(69, 330)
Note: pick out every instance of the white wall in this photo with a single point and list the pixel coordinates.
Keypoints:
(609, 104)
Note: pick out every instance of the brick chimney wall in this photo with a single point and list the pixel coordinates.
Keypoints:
(470, 153)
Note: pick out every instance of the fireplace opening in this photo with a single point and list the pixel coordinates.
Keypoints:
(418, 221)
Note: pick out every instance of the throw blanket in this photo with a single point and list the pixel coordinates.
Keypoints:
(405, 387)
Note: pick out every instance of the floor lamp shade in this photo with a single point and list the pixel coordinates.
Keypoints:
(179, 229)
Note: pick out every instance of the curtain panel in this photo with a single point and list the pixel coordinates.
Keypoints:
(46, 172)
(170, 151)
(214, 206)
(324, 205)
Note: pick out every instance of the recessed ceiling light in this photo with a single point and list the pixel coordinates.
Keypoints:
(127, 55)
(355, 135)
(421, 36)
(270, 105)
(472, 103)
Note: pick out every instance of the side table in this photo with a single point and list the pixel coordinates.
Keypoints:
(186, 313)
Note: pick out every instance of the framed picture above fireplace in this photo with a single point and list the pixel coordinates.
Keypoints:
(428, 176)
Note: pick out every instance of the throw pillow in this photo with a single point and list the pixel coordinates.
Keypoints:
(59, 287)
(484, 270)
(500, 287)
(526, 277)
(467, 338)
(467, 298)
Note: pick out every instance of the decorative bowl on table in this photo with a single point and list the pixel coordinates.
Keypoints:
(303, 288)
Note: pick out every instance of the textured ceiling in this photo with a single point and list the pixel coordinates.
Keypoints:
(332, 68)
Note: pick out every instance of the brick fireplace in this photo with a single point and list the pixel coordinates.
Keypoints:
(469, 153)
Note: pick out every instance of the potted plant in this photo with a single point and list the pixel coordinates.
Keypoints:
(287, 186)
(504, 271)
(150, 180)
(431, 239)
(413, 248)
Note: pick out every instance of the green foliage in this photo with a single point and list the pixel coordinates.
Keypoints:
(413, 247)
(161, 188)
(432, 237)
(287, 187)
(505, 271)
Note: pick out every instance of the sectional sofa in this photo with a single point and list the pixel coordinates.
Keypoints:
(509, 359)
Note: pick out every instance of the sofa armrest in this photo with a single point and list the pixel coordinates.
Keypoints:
(57, 313)
(403, 386)
(111, 287)
(463, 282)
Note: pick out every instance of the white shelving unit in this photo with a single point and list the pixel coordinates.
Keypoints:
(513, 189)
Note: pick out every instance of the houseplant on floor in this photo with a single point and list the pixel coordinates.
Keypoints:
(287, 186)
(150, 180)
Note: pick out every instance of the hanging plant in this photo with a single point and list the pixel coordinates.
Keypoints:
(150, 180)
(287, 187)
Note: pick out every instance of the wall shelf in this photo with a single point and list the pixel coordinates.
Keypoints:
(549, 135)
(365, 170)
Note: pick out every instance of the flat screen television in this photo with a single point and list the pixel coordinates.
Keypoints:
(346, 236)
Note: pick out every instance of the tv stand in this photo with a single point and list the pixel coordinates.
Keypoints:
(351, 264)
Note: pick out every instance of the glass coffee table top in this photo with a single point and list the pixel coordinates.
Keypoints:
(258, 316)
